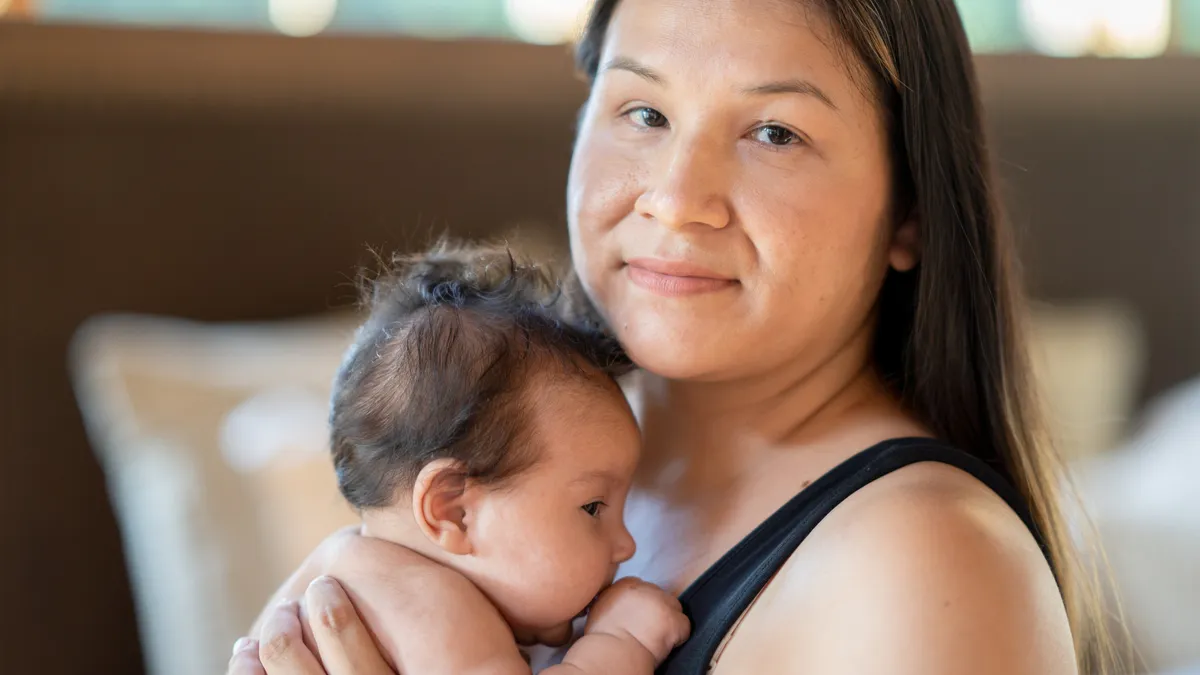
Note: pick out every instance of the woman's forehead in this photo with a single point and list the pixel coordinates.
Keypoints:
(738, 43)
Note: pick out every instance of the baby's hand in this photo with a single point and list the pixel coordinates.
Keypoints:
(632, 608)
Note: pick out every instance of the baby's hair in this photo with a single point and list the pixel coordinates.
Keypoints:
(442, 366)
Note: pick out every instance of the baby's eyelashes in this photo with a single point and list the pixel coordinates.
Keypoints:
(593, 508)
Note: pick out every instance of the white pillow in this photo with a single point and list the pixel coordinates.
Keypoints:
(1143, 501)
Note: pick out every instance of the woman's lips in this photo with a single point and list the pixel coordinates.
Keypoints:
(674, 279)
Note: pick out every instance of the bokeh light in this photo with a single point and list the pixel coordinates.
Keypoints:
(301, 18)
(1136, 28)
(1060, 27)
(1125, 28)
(546, 21)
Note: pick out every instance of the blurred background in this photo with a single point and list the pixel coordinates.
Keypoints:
(187, 188)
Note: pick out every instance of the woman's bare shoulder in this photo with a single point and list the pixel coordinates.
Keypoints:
(924, 571)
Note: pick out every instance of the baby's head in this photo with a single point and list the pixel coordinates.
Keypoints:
(473, 408)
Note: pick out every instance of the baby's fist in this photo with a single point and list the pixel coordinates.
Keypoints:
(632, 608)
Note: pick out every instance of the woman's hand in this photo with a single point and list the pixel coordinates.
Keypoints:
(311, 626)
(336, 642)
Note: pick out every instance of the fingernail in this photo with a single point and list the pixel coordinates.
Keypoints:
(325, 583)
(324, 590)
(242, 645)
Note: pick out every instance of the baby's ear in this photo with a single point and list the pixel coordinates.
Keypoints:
(440, 505)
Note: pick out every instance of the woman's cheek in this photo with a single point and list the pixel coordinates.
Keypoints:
(603, 197)
(610, 170)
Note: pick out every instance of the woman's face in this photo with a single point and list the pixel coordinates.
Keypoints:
(729, 197)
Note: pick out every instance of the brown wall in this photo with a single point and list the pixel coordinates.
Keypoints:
(228, 177)
(1101, 162)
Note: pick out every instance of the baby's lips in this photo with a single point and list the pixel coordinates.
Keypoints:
(583, 612)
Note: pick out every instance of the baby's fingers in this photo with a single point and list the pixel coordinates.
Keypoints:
(683, 629)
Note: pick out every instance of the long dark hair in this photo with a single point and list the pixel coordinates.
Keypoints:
(951, 335)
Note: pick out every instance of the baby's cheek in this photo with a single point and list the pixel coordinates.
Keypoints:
(564, 579)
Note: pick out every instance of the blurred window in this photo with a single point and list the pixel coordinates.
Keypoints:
(1189, 25)
(993, 25)
(1130, 28)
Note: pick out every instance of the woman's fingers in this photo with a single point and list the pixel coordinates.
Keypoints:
(245, 659)
(281, 647)
(346, 646)
(312, 567)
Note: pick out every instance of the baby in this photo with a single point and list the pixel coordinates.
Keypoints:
(482, 436)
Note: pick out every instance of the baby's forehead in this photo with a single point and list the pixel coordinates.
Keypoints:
(575, 400)
(584, 427)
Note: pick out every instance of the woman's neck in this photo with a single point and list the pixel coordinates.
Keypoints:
(718, 431)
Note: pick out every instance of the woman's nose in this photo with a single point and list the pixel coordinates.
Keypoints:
(688, 188)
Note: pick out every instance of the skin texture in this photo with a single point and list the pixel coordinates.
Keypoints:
(695, 147)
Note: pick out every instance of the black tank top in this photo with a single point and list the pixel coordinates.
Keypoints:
(719, 597)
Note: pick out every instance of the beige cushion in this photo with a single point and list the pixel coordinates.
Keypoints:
(213, 439)
(1088, 361)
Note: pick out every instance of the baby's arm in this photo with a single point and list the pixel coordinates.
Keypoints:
(600, 653)
(429, 619)
(426, 618)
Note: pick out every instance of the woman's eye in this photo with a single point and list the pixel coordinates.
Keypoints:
(648, 117)
(593, 509)
(776, 135)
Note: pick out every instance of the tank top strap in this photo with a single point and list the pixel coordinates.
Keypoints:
(717, 599)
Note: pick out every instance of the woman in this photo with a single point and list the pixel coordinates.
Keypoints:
(784, 209)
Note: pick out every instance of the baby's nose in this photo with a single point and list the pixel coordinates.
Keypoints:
(624, 547)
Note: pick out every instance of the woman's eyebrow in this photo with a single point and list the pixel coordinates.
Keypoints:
(796, 86)
(640, 69)
(801, 87)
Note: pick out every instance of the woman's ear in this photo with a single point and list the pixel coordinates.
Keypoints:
(905, 249)
(440, 502)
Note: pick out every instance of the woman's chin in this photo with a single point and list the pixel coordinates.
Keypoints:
(677, 350)
(681, 361)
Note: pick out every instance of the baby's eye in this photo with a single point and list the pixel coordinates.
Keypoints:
(593, 509)
(647, 117)
(773, 134)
